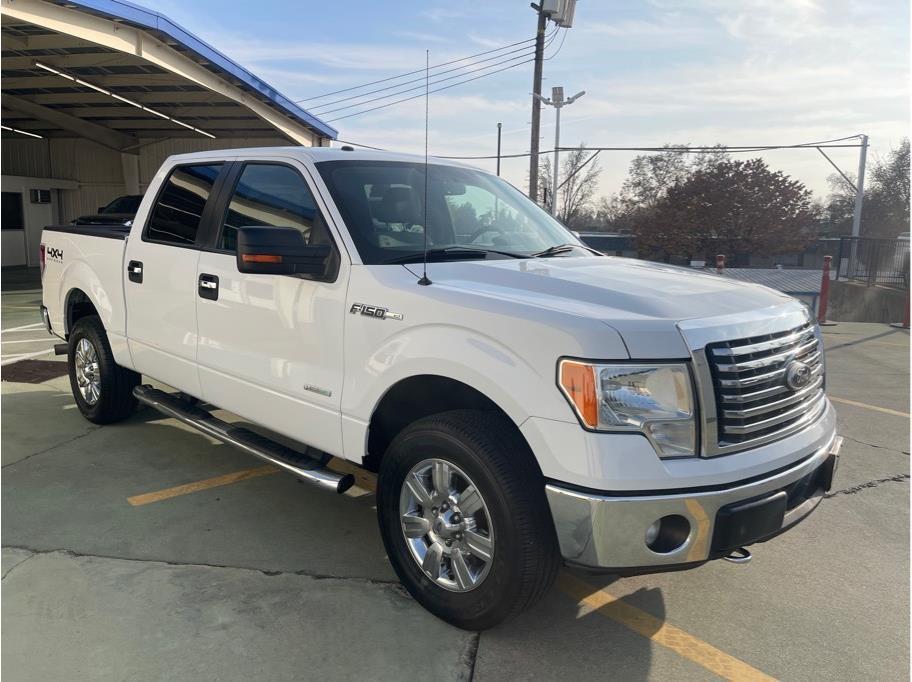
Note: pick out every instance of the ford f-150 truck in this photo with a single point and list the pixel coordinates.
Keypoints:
(525, 401)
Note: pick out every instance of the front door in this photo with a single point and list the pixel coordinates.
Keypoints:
(270, 346)
(160, 277)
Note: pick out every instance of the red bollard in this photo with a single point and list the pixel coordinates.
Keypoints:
(720, 263)
(824, 293)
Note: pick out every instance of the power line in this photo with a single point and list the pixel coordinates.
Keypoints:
(525, 56)
(406, 99)
(412, 73)
(462, 70)
(446, 87)
(680, 150)
(413, 80)
(559, 47)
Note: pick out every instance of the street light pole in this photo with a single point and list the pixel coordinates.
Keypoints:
(558, 102)
(859, 187)
(499, 125)
(554, 170)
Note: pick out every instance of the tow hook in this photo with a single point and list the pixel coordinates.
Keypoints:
(739, 556)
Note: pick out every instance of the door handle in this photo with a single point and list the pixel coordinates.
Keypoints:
(135, 271)
(208, 287)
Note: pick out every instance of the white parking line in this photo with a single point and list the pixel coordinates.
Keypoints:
(44, 340)
(25, 356)
(22, 328)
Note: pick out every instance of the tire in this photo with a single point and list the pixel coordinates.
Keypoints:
(90, 358)
(486, 450)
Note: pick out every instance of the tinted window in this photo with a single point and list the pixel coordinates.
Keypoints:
(127, 204)
(273, 195)
(176, 215)
(383, 205)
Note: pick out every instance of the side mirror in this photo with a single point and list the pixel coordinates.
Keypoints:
(101, 209)
(279, 251)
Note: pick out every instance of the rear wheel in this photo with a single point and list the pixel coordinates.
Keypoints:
(102, 389)
(464, 518)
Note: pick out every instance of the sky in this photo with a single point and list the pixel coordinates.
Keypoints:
(699, 72)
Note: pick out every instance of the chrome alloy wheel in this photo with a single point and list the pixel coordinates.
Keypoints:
(446, 525)
(88, 377)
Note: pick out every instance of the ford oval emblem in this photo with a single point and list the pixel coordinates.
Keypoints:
(798, 375)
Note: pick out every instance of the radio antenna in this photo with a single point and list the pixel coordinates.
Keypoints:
(424, 281)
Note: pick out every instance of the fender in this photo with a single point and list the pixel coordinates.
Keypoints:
(471, 357)
(79, 275)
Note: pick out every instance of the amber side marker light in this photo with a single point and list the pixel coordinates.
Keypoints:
(578, 382)
(260, 258)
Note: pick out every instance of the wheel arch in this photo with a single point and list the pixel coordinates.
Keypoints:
(422, 395)
(77, 304)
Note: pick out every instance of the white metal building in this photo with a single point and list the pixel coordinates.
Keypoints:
(97, 93)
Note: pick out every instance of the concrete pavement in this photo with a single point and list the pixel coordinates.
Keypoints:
(270, 579)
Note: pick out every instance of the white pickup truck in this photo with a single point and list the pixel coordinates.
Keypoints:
(526, 401)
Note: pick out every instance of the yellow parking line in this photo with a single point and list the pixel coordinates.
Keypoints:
(601, 601)
(885, 410)
(682, 643)
(177, 491)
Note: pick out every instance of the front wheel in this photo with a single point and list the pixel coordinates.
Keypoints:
(103, 390)
(464, 518)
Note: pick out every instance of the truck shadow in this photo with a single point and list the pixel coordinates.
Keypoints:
(563, 638)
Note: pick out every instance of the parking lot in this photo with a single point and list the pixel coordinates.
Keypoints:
(146, 550)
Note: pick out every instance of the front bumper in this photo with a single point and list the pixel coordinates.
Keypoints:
(608, 532)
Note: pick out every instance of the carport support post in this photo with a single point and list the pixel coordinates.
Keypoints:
(130, 164)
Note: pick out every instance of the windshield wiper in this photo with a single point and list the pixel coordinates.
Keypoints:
(454, 251)
(563, 248)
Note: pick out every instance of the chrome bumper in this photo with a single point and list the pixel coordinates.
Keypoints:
(609, 532)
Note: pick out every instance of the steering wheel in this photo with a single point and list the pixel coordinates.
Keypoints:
(484, 230)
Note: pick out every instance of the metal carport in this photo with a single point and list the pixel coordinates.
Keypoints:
(108, 90)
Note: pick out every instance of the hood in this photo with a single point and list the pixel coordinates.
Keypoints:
(643, 301)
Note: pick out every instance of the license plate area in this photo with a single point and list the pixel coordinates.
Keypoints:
(743, 523)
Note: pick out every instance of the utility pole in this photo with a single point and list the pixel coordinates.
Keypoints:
(499, 125)
(859, 185)
(536, 104)
(558, 102)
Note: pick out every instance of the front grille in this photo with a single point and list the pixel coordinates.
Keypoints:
(753, 399)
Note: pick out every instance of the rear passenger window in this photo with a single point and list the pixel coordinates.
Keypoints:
(175, 218)
(273, 195)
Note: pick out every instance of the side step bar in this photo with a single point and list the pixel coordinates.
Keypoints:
(303, 466)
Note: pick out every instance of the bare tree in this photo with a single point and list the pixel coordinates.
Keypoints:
(578, 183)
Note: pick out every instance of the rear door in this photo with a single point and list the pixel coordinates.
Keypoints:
(160, 279)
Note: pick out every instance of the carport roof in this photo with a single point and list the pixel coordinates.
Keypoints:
(129, 75)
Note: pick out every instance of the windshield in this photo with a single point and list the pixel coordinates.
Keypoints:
(382, 203)
(128, 204)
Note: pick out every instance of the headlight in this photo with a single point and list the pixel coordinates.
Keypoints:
(653, 399)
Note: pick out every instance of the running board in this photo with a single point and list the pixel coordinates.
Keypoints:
(303, 466)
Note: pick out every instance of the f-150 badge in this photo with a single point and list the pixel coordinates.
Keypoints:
(374, 311)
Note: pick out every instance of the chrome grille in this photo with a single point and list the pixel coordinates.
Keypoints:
(753, 398)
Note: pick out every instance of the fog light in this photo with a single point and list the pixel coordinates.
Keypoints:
(668, 534)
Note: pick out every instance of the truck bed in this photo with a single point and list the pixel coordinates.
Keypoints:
(93, 230)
